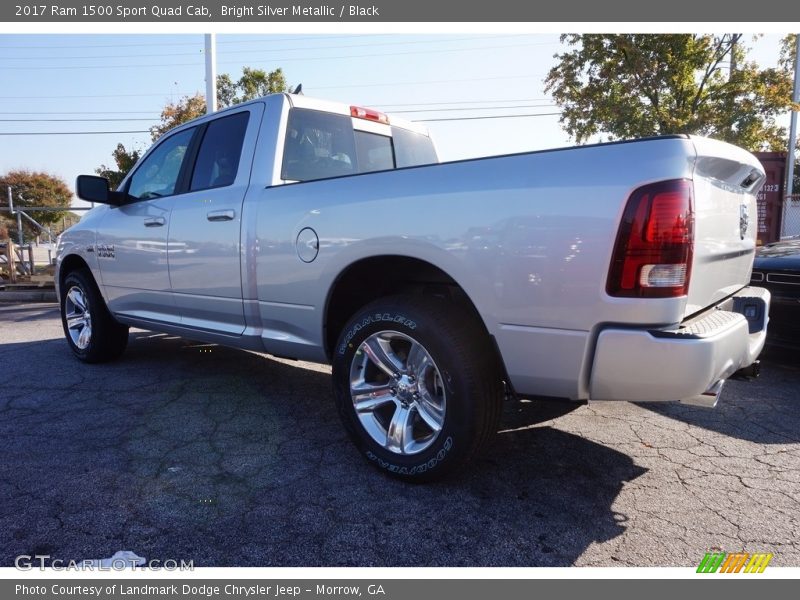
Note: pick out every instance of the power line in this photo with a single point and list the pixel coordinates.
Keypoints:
(272, 60)
(457, 106)
(110, 119)
(80, 112)
(469, 108)
(486, 117)
(487, 105)
(428, 82)
(377, 105)
(117, 96)
(416, 120)
(71, 132)
(187, 43)
(68, 120)
(314, 87)
(415, 42)
(250, 51)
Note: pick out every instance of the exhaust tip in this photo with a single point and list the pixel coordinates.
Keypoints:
(707, 399)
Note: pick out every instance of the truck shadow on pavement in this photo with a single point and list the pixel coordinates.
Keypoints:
(763, 411)
(192, 451)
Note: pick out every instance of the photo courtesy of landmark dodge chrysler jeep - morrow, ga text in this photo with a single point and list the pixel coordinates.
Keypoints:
(329, 233)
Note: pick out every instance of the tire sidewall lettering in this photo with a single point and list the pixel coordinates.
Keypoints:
(429, 464)
(384, 317)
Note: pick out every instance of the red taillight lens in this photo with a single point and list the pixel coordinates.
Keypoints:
(653, 254)
(368, 114)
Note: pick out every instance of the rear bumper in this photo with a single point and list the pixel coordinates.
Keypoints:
(685, 362)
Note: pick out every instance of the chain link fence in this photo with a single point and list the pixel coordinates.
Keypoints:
(790, 223)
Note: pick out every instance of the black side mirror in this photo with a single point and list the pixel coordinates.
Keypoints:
(96, 189)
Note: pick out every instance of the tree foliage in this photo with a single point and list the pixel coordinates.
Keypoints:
(627, 86)
(253, 83)
(176, 113)
(35, 188)
(124, 159)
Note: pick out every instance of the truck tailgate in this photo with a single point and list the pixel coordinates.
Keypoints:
(726, 181)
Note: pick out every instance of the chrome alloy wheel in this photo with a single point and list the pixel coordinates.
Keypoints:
(79, 319)
(397, 392)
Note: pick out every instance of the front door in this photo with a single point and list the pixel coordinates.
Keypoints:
(132, 239)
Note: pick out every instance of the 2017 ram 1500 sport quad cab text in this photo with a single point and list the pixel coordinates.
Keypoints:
(328, 233)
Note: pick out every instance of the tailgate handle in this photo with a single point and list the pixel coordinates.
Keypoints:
(154, 221)
(221, 215)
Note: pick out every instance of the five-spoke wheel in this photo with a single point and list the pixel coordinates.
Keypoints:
(79, 319)
(417, 385)
(91, 331)
(397, 392)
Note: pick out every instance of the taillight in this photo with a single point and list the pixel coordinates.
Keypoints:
(653, 253)
(368, 114)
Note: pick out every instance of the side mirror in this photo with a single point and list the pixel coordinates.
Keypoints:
(96, 189)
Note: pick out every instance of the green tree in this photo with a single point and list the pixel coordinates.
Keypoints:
(176, 113)
(125, 159)
(35, 188)
(627, 86)
(253, 83)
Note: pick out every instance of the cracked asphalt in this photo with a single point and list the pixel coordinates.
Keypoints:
(190, 451)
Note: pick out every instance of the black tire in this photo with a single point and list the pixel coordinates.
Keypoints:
(107, 338)
(467, 384)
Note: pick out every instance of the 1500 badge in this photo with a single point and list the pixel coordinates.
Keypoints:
(105, 251)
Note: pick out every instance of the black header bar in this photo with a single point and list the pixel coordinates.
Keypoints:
(458, 11)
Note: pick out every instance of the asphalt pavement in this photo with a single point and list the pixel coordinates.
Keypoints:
(190, 451)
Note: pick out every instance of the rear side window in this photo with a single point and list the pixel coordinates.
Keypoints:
(374, 152)
(412, 149)
(318, 145)
(218, 158)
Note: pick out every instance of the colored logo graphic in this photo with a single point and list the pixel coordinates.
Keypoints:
(721, 562)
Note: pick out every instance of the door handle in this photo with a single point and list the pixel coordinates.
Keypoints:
(154, 221)
(221, 215)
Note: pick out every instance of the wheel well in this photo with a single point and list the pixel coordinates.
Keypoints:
(376, 277)
(71, 263)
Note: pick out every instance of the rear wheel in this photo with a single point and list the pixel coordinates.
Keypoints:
(91, 332)
(417, 386)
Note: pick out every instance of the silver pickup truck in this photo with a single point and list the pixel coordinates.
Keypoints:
(327, 232)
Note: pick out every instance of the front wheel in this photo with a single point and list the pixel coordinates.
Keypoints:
(92, 333)
(417, 385)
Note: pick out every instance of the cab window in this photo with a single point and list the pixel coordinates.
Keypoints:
(374, 152)
(158, 175)
(412, 149)
(318, 145)
(218, 158)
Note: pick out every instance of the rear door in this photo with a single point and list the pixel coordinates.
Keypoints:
(726, 182)
(204, 234)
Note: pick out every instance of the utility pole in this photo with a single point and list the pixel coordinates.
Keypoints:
(211, 73)
(734, 40)
(793, 122)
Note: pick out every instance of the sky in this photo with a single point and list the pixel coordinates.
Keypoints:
(57, 83)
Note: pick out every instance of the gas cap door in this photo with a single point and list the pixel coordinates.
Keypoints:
(307, 245)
